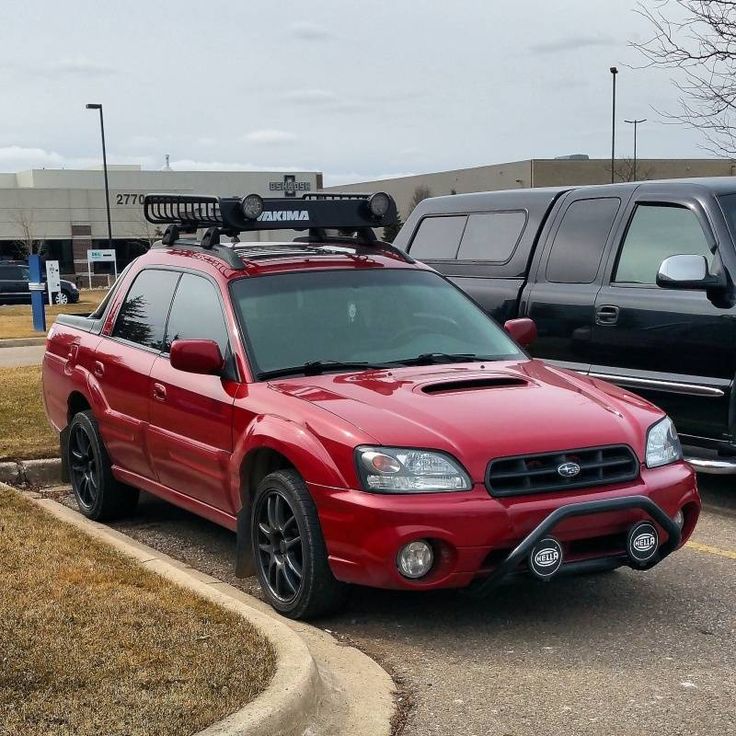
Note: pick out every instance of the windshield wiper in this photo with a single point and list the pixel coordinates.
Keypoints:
(315, 367)
(439, 358)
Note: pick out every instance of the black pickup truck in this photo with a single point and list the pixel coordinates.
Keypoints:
(632, 283)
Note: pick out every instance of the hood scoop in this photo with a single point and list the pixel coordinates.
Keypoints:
(473, 384)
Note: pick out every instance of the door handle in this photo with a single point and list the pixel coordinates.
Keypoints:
(159, 392)
(606, 315)
(98, 368)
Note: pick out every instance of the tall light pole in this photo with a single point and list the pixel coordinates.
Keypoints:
(614, 72)
(635, 123)
(97, 106)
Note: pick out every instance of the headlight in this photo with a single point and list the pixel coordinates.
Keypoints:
(663, 444)
(398, 470)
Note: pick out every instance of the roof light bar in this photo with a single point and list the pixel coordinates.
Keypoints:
(232, 215)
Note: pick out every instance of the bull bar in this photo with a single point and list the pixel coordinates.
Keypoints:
(512, 561)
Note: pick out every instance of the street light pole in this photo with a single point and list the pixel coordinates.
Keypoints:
(97, 106)
(614, 72)
(635, 123)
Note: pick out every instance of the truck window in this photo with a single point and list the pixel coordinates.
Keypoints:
(438, 238)
(656, 232)
(142, 317)
(196, 314)
(491, 236)
(581, 239)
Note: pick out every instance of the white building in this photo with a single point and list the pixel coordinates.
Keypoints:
(63, 211)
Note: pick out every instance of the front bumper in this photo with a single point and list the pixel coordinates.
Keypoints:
(476, 536)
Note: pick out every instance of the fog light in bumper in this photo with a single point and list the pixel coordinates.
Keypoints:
(415, 559)
(679, 519)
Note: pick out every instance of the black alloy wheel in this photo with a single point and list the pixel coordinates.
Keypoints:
(99, 495)
(280, 551)
(84, 467)
(289, 550)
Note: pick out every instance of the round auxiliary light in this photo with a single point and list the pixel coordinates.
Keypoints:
(679, 519)
(252, 206)
(379, 204)
(415, 559)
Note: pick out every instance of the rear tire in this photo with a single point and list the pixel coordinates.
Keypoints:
(289, 549)
(99, 496)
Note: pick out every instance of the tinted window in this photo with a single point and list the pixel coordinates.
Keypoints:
(491, 236)
(196, 313)
(142, 316)
(657, 232)
(372, 315)
(438, 237)
(581, 239)
(13, 272)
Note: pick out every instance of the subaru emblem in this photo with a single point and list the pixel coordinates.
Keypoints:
(568, 470)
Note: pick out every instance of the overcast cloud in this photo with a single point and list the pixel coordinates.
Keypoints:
(355, 89)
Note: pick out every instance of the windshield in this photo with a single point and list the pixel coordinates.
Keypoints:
(373, 317)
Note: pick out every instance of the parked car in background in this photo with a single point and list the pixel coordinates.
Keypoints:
(632, 283)
(351, 414)
(14, 289)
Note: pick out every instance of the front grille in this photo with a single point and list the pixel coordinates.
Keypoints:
(512, 476)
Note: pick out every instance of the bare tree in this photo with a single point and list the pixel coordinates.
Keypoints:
(25, 222)
(143, 230)
(625, 170)
(420, 193)
(697, 39)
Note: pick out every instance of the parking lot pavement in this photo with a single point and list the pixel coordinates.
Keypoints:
(26, 355)
(621, 653)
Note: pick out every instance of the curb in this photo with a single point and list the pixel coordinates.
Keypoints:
(21, 342)
(320, 688)
(45, 472)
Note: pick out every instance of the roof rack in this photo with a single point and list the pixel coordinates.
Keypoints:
(347, 218)
(352, 215)
(233, 215)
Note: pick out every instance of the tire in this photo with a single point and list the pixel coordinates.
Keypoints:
(62, 297)
(99, 496)
(289, 549)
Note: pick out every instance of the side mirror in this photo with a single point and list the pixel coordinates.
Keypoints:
(686, 272)
(523, 330)
(196, 356)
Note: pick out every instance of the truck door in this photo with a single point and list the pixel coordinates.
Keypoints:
(673, 347)
(566, 278)
(190, 433)
(121, 365)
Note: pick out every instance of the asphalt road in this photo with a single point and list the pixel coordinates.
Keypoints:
(621, 653)
(27, 355)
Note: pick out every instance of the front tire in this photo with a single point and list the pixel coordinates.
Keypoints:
(289, 550)
(62, 297)
(99, 496)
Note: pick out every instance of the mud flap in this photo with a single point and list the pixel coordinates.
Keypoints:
(244, 563)
(63, 443)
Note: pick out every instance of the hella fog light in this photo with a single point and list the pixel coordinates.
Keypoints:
(679, 518)
(252, 206)
(663, 444)
(379, 204)
(415, 559)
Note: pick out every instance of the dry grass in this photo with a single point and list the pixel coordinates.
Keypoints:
(24, 430)
(91, 643)
(16, 320)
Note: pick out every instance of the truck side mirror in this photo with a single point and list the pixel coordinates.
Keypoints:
(686, 272)
(523, 330)
(196, 356)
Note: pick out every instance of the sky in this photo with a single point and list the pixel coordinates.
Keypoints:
(358, 90)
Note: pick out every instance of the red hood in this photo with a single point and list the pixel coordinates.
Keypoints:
(548, 409)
